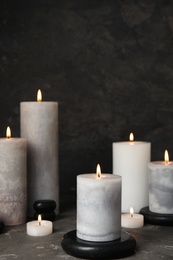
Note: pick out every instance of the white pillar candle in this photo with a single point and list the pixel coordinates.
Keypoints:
(98, 207)
(130, 160)
(13, 182)
(39, 124)
(161, 186)
(132, 220)
(39, 228)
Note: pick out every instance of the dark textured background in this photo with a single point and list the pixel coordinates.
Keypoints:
(108, 63)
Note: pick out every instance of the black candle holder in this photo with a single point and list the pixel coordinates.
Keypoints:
(1, 227)
(120, 248)
(156, 218)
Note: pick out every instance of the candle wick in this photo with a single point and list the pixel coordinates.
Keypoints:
(131, 215)
(39, 223)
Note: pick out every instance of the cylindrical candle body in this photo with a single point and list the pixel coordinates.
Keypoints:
(130, 160)
(160, 187)
(98, 207)
(128, 221)
(39, 124)
(34, 229)
(13, 181)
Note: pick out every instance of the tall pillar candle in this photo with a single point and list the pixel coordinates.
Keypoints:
(130, 160)
(39, 124)
(161, 186)
(98, 207)
(13, 183)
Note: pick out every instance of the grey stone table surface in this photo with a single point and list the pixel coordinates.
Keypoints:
(153, 242)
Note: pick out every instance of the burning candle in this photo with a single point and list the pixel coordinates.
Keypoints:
(39, 124)
(12, 179)
(98, 206)
(161, 186)
(132, 220)
(38, 228)
(130, 161)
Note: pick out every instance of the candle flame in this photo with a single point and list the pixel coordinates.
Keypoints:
(39, 220)
(131, 137)
(98, 171)
(166, 157)
(8, 133)
(39, 96)
(131, 212)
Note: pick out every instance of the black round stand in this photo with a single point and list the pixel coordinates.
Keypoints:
(1, 226)
(123, 247)
(156, 218)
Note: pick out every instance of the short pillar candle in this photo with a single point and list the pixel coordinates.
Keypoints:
(39, 124)
(13, 183)
(161, 186)
(98, 207)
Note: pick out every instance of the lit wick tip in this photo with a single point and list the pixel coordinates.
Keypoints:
(8, 133)
(166, 157)
(131, 137)
(39, 96)
(98, 171)
(131, 212)
(39, 220)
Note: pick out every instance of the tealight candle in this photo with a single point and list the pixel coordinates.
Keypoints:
(161, 186)
(39, 227)
(132, 220)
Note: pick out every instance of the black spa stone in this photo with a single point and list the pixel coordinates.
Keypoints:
(44, 206)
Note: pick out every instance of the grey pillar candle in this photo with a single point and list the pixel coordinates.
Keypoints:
(13, 182)
(98, 207)
(39, 125)
(161, 187)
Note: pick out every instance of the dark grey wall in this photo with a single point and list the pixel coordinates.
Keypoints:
(108, 63)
